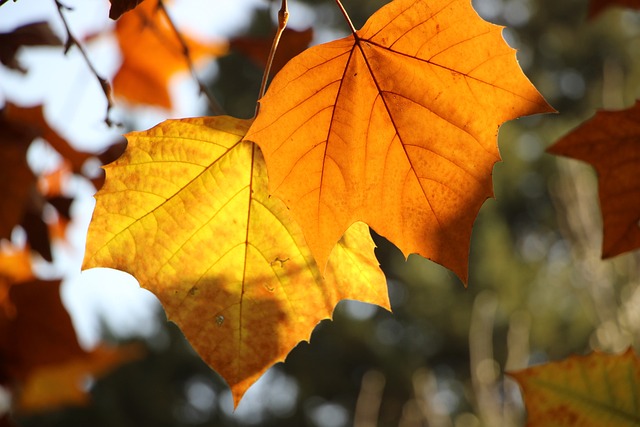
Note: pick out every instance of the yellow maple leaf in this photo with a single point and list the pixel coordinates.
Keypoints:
(588, 391)
(186, 211)
(395, 126)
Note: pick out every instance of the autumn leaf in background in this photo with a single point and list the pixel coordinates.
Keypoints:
(16, 178)
(33, 34)
(587, 391)
(34, 118)
(52, 185)
(186, 211)
(292, 43)
(610, 142)
(15, 267)
(394, 126)
(598, 6)
(43, 366)
(23, 199)
(118, 7)
(42, 362)
(25, 195)
(152, 54)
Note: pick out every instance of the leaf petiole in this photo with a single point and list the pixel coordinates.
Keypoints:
(346, 17)
(283, 17)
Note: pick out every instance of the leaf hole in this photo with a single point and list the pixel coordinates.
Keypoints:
(280, 261)
(220, 320)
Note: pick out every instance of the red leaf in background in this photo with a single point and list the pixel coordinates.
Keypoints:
(42, 362)
(39, 334)
(118, 7)
(610, 142)
(257, 49)
(34, 119)
(598, 6)
(16, 178)
(33, 34)
(23, 201)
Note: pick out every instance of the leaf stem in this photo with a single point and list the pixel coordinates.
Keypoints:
(72, 41)
(214, 105)
(346, 17)
(283, 17)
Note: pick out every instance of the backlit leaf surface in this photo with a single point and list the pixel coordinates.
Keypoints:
(610, 142)
(186, 211)
(587, 391)
(395, 126)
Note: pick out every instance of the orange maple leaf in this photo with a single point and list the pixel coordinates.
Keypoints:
(610, 142)
(598, 6)
(395, 126)
(587, 391)
(186, 211)
(152, 54)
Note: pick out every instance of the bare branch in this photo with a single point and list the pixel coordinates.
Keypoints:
(214, 105)
(72, 41)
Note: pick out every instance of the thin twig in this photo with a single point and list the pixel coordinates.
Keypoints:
(214, 105)
(4, 1)
(346, 16)
(283, 17)
(72, 41)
